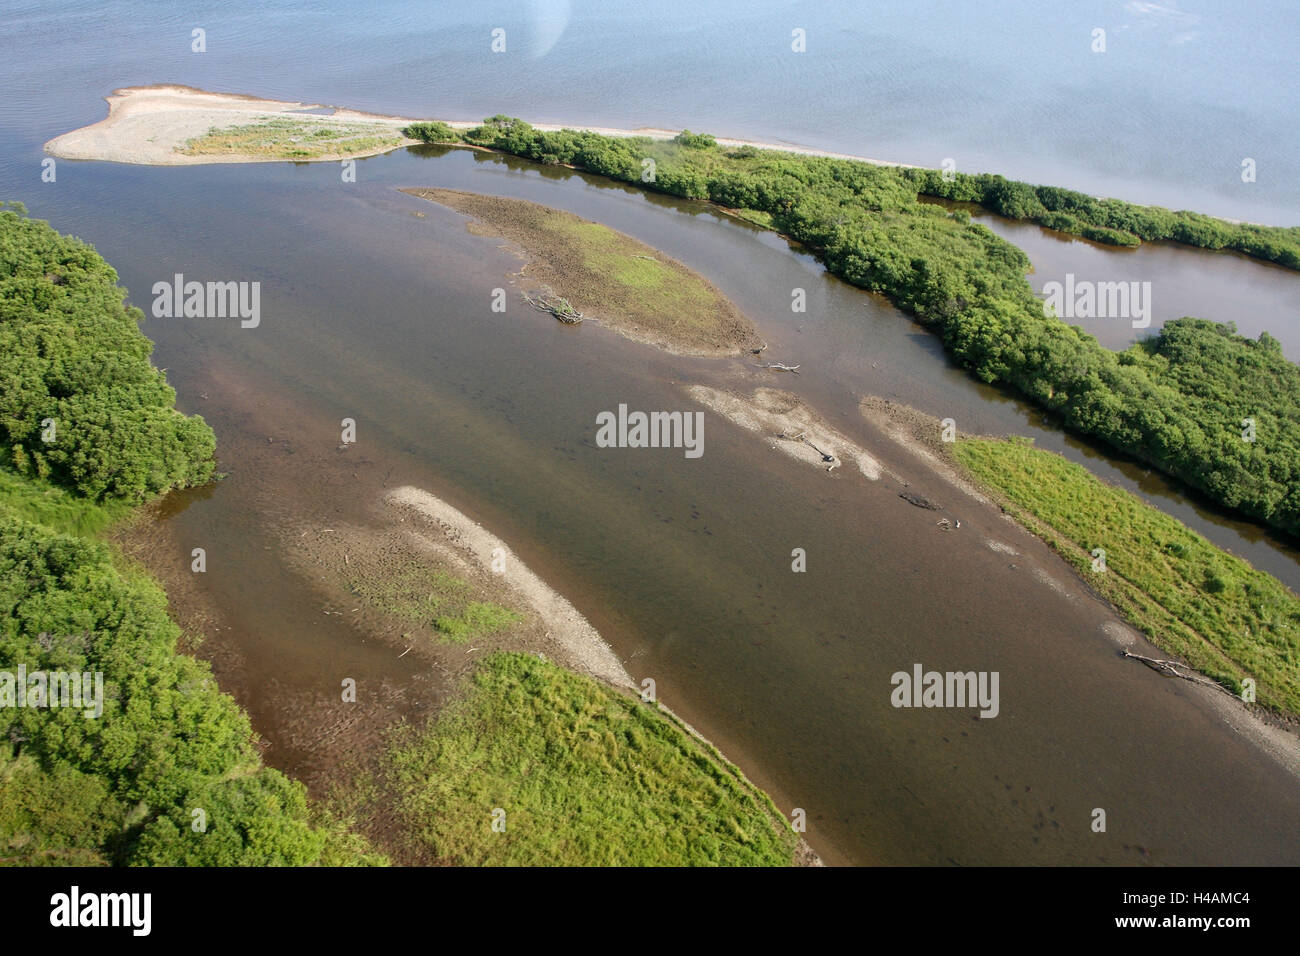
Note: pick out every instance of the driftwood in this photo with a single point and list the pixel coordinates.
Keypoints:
(826, 456)
(919, 500)
(558, 306)
(1172, 669)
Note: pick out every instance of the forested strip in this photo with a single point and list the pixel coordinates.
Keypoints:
(1111, 221)
(80, 403)
(1176, 401)
(168, 771)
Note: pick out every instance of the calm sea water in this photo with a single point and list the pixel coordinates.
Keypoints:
(1185, 90)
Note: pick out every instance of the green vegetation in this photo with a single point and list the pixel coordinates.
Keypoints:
(597, 271)
(306, 138)
(476, 619)
(80, 403)
(1214, 610)
(120, 787)
(1175, 402)
(695, 140)
(431, 132)
(434, 598)
(586, 776)
(1111, 221)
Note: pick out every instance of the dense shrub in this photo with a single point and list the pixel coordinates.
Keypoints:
(72, 354)
(1176, 402)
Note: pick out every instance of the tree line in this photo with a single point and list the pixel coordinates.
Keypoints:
(168, 773)
(1217, 410)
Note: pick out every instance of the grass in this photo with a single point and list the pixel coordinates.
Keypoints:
(36, 500)
(608, 274)
(1192, 599)
(295, 139)
(437, 599)
(633, 282)
(585, 775)
(764, 220)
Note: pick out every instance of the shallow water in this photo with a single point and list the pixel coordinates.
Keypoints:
(375, 312)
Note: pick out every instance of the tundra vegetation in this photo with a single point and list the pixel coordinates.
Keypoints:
(1175, 401)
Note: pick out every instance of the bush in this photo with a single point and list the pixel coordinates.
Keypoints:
(431, 132)
(695, 140)
(1176, 402)
(72, 355)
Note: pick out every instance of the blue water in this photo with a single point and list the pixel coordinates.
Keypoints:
(1183, 93)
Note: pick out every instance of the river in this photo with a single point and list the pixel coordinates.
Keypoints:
(375, 312)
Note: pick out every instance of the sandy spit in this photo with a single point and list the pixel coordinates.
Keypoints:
(576, 639)
(145, 124)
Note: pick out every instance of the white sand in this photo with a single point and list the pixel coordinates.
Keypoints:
(146, 124)
(786, 421)
(577, 642)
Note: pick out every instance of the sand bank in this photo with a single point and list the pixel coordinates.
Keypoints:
(578, 644)
(146, 125)
(630, 287)
(791, 426)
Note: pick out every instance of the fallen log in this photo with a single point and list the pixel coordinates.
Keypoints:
(911, 497)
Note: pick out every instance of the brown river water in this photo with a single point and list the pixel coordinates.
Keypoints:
(374, 312)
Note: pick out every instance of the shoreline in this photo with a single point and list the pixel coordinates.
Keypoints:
(145, 125)
(618, 282)
(1273, 734)
(143, 110)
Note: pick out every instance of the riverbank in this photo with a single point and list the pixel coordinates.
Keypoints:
(114, 735)
(1223, 622)
(439, 622)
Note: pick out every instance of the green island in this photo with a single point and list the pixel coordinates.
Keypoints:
(605, 778)
(633, 288)
(1176, 401)
(1212, 609)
